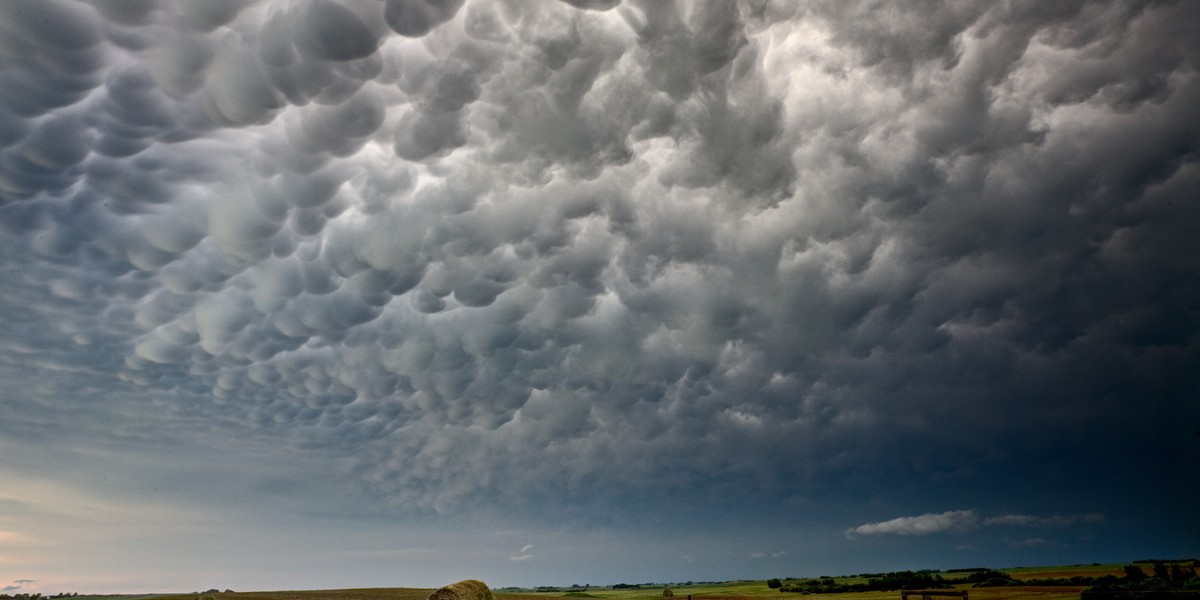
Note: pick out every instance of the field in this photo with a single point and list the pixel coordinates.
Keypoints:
(733, 590)
(1025, 573)
(697, 593)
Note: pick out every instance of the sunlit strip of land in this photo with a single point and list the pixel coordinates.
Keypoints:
(729, 590)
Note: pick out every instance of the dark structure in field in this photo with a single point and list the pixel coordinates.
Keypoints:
(926, 594)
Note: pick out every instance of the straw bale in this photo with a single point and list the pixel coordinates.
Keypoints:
(467, 589)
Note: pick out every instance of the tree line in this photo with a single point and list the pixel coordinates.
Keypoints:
(37, 596)
(1162, 577)
(876, 582)
(1165, 581)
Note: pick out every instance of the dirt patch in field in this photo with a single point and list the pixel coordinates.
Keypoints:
(1064, 592)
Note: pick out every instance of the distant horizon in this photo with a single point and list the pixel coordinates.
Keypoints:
(652, 584)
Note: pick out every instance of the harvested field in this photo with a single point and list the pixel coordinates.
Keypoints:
(1002, 593)
(1025, 573)
(347, 594)
(1027, 593)
(732, 590)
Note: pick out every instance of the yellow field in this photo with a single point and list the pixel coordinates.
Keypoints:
(1065, 572)
(681, 593)
(1003, 593)
(733, 590)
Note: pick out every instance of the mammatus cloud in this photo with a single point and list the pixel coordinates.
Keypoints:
(551, 256)
(957, 521)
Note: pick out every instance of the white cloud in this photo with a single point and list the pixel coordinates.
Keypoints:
(926, 524)
(963, 520)
(758, 555)
(524, 555)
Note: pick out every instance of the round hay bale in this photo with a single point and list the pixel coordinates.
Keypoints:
(467, 589)
(667, 593)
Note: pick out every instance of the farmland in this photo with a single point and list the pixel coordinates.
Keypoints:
(730, 590)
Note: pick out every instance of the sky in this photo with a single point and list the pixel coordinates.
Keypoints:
(312, 294)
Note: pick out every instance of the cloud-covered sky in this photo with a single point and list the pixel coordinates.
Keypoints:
(321, 293)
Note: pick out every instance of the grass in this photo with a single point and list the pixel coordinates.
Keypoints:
(729, 590)
(349, 594)
(1026, 573)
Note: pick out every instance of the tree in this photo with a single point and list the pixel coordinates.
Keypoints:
(1134, 573)
(774, 584)
(1161, 572)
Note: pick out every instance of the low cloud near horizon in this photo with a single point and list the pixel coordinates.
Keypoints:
(959, 521)
(599, 266)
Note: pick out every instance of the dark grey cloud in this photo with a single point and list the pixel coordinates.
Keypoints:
(415, 18)
(548, 257)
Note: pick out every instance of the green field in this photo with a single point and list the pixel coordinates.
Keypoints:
(730, 590)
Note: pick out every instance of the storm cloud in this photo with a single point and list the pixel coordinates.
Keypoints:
(603, 258)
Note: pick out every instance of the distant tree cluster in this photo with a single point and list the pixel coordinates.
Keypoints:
(37, 596)
(876, 582)
(1195, 562)
(989, 578)
(1165, 578)
(579, 591)
(1164, 582)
